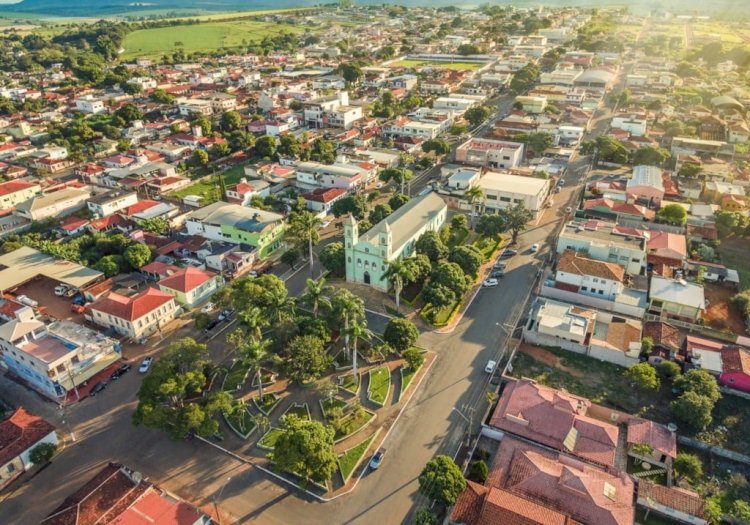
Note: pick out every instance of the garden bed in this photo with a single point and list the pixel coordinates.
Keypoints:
(236, 377)
(236, 424)
(349, 383)
(341, 361)
(266, 377)
(371, 356)
(488, 246)
(269, 439)
(301, 411)
(352, 457)
(352, 423)
(380, 384)
(440, 317)
(407, 374)
(330, 404)
(267, 403)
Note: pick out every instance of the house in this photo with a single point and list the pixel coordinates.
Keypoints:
(667, 341)
(675, 503)
(532, 105)
(73, 225)
(24, 264)
(55, 204)
(191, 286)
(735, 372)
(646, 185)
(90, 104)
(221, 221)
(403, 127)
(662, 441)
(636, 125)
(19, 435)
(311, 175)
(137, 316)
(669, 249)
(603, 242)
(557, 324)
(368, 255)
(119, 495)
(612, 209)
(588, 276)
(490, 153)
(244, 191)
(676, 299)
(15, 192)
(105, 204)
(56, 358)
(321, 200)
(503, 190)
(555, 419)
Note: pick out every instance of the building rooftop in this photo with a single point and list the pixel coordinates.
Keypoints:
(650, 176)
(131, 308)
(25, 263)
(51, 199)
(186, 280)
(20, 432)
(507, 183)
(241, 217)
(647, 432)
(577, 263)
(678, 292)
(602, 233)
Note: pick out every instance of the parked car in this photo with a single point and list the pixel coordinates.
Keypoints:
(145, 365)
(490, 366)
(226, 314)
(507, 254)
(124, 368)
(568, 210)
(534, 248)
(60, 289)
(211, 325)
(377, 459)
(497, 274)
(561, 182)
(324, 225)
(252, 273)
(499, 265)
(77, 308)
(208, 307)
(101, 385)
(119, 372)
(490, 283)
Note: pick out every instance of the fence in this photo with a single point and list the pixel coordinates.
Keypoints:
(713, 449)
(652, 226)
(704, 330)
(550, 340)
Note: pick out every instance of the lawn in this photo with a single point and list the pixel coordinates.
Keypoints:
(733, 254)
(300, 411)
(209, 188)
(439, 316)
(236, 376)
(458, 66)
(350, 384)
(407, 374)
(269, 439)
(205, 37)
(380, 384)
(330, 404)
(349, 460)
(238, 422)
(354, 421)
(268, 403)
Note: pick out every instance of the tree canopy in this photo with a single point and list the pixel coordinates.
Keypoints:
(305, 447)
(400, 333)
(441, 481)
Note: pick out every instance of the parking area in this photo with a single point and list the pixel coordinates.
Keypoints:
(42, 290)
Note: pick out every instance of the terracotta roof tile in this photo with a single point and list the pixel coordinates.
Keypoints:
(20, 432)
(654, 434)
(663, 334)
(131, 308)
(735, 359)
(186, 280)
(576, 263)
(671, 497)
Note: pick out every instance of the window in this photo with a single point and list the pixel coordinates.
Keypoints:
(585, 288)
(493, 197)
(348, 259)
(596, 280)
(601, 292)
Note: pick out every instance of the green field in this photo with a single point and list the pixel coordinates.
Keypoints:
(458, 66)
(200, 37)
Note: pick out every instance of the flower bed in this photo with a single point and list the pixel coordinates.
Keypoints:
(352, 423)
(267, 404)
(351, 458)
(236, 424)
(380, 384)
(236, 376)
(349, 383)
(300, 411)
(269, 439)
(329, 404)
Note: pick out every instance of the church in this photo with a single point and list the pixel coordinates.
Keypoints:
(368, 255)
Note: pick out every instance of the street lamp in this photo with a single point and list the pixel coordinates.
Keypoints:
(217, 497)
(469, 420)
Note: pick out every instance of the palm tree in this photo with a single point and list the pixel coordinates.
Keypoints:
(254, 320)
(399, 273)
(315, 295)
(303, 226)
(239, 408)
(278, 305)
(255, 352)
(474, 194)
(357, 330)
(347, 308)
(263, 422)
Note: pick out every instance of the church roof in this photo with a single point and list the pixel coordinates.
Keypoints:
(406, 221)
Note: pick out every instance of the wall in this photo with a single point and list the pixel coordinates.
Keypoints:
(594, 302)
(547, 340)
(49, 438)
(609, 355)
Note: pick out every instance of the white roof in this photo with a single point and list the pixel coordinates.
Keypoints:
(646, 176)
(26, 263)
(678, 292)
(506, 183)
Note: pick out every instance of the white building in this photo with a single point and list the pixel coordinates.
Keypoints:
(90, 104)
(502, 190)
(311, 175)
(636, 125)
(137, 316)
(106, 204)
(491, 153)
(588, 276)
(53, 204)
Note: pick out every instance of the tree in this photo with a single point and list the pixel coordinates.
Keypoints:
(424, 516)
(199, 158)
(673, 214)
(345, 309)
(219, 150)
(515, 219)
(400, 333)
(137, 255)
(289, 146)
(308, 359)
(109, 265)
(170, 395)
(305, 447)
(730, 222)
(42, 453)
(204, 123)
(690, 170)
(693, 409)
(669, 369)
(316, 295)
(539, 142)
(649, 156)
(265, 146)
(397, 200)
(441, 481)
(398, 175)
(644, 376)
(478, 471)
(379, 212)
(351, 72)
(161, 96)
(290, 257)
(688, 466)
(740, 510)
(468, 49)
(413, 357)
(357, 330)
(430, 244)
(712, 510)
(469, 258)
(333, 258)
(473, 195)
(353, 204)
(303, 227)
(231, 121)
(438, 295)
(524, 78)
(439, 146)
(129, 113)
(701, 382)
(477, 115)
(451, 276)
(157, 225)
(642, 449)
(399, 273)
(459, 222)
(611, 150)
(323, 151)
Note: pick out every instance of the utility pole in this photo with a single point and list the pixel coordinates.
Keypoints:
(72, 380)
(216, 500)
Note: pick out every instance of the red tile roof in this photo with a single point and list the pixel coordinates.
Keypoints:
(13, 186)
(663, 334)
(671, 497)
(131, 308)
(667, 244)
(323, 194)
(654, 434)
(20, 432)
(72, 223)
(579, 264)
(141, 206)
(109, 221)
(186, 280)
(735, 359)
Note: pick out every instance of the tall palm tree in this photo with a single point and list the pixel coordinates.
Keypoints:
(399, 273)
(303, 226)
(254, 319)
(474, 194)
(278, 305)
(357, 330)
(347, 308)
(255, 352)
(315, 295)
(238, 408)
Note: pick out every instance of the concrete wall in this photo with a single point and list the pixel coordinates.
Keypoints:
(594, 302)
(548, 340)
(609, 355)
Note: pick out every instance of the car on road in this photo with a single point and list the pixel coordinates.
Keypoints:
(211, 325)
(507, 254)
(497, 274)
(209, 306)
(145, 365)
(490, 366)
(499, 265)
(101, 385)
(252, 273)
(377, 459)
(561, 182)
(226, 314)
(490, 283)
(568, 210)
(534, 248)
(324, 225)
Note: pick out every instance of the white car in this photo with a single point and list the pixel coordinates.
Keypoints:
(324, 224)
(490, 283)
(490, 367)
(561, 182)
(568, 210)
(208, 308)
(534, 248)
(145, 365)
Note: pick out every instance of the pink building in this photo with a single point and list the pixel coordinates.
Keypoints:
(646, 184)
(735, 368)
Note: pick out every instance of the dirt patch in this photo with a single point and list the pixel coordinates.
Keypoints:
(721, 314)
(548, 358)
